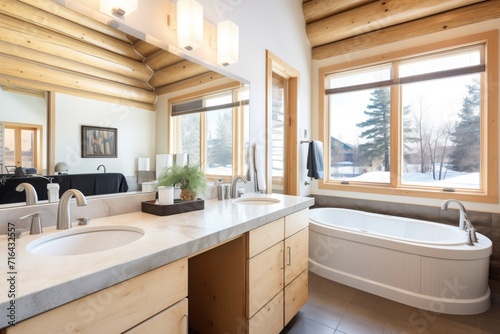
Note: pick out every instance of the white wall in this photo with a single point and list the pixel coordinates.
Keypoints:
(26, 109)
(136, 134)
(401, 45)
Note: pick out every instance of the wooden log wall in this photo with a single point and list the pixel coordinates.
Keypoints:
(46, 46)
(336, 27)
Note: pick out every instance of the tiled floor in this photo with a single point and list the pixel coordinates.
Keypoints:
(336, 308)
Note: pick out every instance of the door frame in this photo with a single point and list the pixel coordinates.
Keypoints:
(291, 165)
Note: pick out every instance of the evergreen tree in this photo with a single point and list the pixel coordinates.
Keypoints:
(376, 128)
(222, 149)
(466, 136)
(190, 136)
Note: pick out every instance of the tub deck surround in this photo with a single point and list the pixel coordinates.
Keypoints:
(386, 256)
(45, 282)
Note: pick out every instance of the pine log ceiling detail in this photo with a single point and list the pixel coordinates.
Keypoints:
(46, 46)
(336, 27)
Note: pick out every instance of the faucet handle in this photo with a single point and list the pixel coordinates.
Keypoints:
(83, 221)
(36, 222)
(471, 230)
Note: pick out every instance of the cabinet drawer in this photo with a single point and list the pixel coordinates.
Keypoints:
(296, 222)
(296, 254)
(173, 320)
(114, 309)
(265, 278)
(263, 237)
(269, 319)
(296, 295)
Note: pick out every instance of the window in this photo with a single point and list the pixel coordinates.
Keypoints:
(416, 124)
(21, 145)
(210, 129)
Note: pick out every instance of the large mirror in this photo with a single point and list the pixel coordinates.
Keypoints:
(63, 71)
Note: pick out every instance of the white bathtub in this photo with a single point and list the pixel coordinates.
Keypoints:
(418, 263)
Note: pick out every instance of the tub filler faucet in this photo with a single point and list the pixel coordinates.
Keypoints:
(464, 223)
(463, 212)
(63, 211)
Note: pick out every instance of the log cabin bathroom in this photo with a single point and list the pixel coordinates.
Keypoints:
(249, 166)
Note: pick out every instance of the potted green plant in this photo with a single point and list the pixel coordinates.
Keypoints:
(190, 178)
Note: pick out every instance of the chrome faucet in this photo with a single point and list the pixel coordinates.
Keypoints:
(234, 182)
(31, 196)
(99, 167)
(463, 212)
(63, 211)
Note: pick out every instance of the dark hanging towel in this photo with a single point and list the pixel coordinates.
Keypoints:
(315, 160)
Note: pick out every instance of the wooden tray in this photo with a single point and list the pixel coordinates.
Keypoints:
(179, 206)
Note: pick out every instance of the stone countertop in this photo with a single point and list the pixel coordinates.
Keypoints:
(46, 282)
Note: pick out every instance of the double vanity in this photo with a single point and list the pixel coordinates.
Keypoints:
(238, 266)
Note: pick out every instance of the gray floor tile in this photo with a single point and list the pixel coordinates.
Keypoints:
(336, 308)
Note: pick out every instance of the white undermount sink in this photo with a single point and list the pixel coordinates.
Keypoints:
(256, 200)
(84, 240)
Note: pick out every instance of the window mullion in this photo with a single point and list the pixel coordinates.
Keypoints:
(396, 129)
(203, 141)
(238, 141)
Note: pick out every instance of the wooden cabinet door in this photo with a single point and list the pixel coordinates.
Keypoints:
(269, 319)
(114, 309)
(264, 278)
(296, 222)
(263, 237)
(296, 296)
(296, 254)
(173, 320)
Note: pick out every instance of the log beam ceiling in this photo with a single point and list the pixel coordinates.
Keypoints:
(342, 26)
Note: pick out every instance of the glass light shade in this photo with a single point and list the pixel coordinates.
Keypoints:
(189, 24)
(228, 39)
(118, 7)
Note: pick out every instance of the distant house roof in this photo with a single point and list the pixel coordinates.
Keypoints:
(338, 143)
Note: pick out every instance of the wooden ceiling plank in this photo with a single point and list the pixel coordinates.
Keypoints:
(53, 22)
(316, 10)
(189, 83)
(175, 73)
(483, 11)
(18, 82)
(68, 65)
(17, 68)
(375, 16)
(162, 59)
(85, 21)
(144, 48)
(16, 32)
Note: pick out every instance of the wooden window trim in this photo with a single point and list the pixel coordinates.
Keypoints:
(238, 129)
(489, 172)
(37, 143)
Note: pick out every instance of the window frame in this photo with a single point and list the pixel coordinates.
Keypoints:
(238, 131)
(37, 143)
(488, 192)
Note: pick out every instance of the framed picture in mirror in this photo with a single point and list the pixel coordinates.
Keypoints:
(99, 142)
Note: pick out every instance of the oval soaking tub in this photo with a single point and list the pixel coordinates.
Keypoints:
(415, 262)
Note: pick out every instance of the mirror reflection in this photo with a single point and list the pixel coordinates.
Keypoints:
(60, 76)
